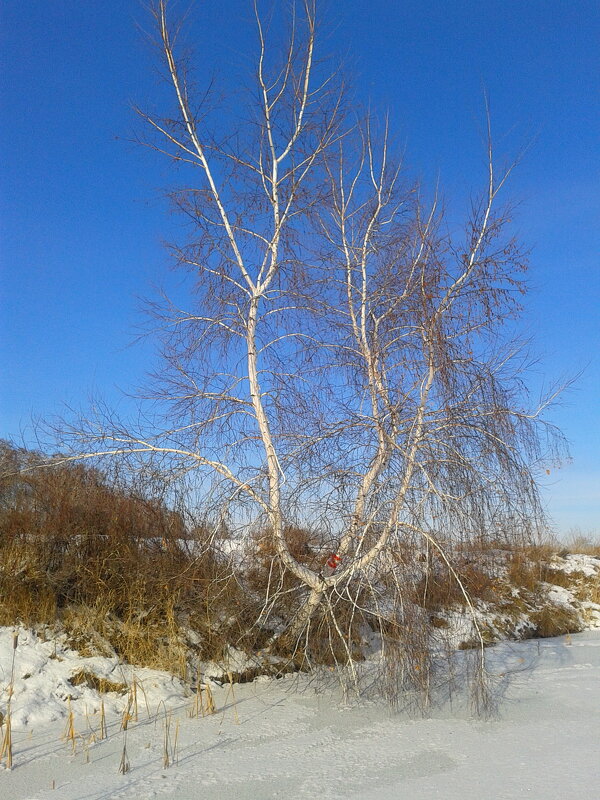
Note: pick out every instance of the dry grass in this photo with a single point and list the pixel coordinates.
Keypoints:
(6, 743)
(513, 583)
(554, 620)
(92, 681)
(69, 734)
(121, 573)
(525, 569)
(438, 589)
(474, 643)
(587, 544)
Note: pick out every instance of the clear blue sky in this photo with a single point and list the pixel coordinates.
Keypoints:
(83, 219)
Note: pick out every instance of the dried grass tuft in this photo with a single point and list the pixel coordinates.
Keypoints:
(86, 678)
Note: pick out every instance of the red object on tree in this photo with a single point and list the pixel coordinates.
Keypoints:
(333, 560)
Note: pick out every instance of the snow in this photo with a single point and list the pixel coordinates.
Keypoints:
(289, 740)
(42, 692)
(578, 562)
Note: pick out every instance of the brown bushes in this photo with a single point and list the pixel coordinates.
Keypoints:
(438, 588)
(109, 564)
(554, 620)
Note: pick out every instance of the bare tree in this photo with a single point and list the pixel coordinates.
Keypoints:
(345, 363)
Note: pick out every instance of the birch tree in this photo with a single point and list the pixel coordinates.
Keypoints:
(344, 364)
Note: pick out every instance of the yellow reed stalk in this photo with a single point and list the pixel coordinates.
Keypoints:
(103, 732)
(6, 747)
(69, 732)
(210, 702)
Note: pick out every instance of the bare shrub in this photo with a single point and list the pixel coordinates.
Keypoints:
(554, 620)
(585, 543)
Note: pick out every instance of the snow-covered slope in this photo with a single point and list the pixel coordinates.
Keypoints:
(49, 679)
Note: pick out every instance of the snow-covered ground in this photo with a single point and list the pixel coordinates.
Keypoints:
(42, 691)
(283, 740)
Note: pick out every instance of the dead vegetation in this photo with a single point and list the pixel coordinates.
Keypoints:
(86, 678)
(83, 552)
(120, 573)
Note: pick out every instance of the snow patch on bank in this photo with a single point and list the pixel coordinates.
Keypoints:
(38, 674)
